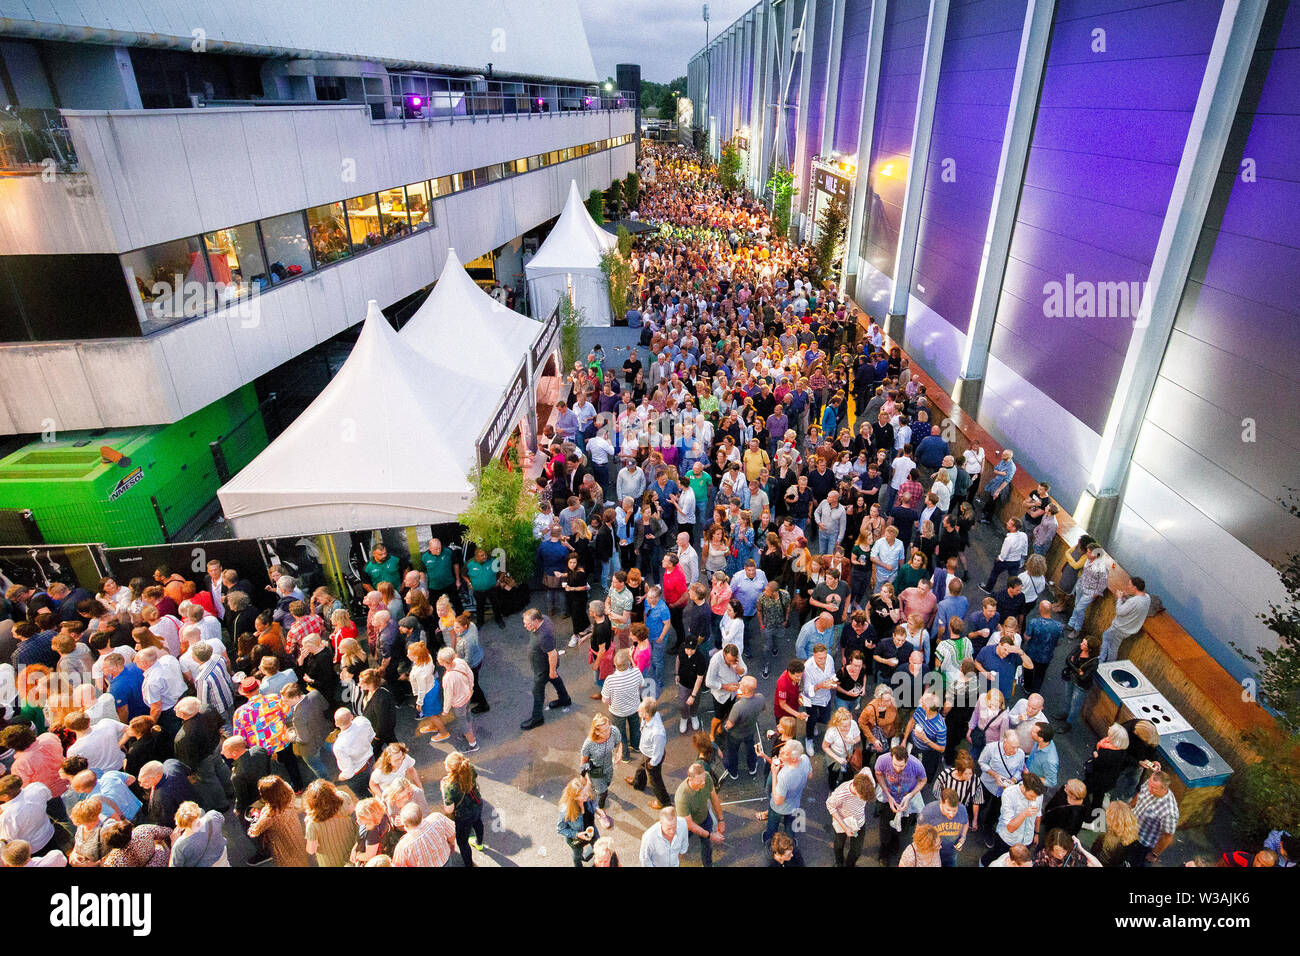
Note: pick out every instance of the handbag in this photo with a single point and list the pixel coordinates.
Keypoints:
(977, 736)
(855, 758)
(551, 580)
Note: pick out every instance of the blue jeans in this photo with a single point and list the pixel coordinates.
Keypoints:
(657, 649)
(1111, 639)
(706, 845)
(817, 714)
(317, 765)
(1081, 602)
(826, 541)
(701, 512)
(774, 822)
(629, 729)
(607, 569)
(1075, 704)
(738, 740)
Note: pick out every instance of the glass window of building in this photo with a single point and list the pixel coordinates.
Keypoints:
(235, 257)
(393, 214)
(171, 279)
(419, 205)
(534, 162)
(287, 250)
(443, 186)
(364, 226)
(328, 230)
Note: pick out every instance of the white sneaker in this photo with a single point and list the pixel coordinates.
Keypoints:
(808, 747)
(573, 641)
(695, 723)
(681, 726)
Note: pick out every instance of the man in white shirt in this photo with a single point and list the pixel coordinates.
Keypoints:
(653, 744)
(665, 841)
(688, 559)
(165, 626)
(352, 750)
(163, 686)
(1028, 712)
(191, 636)
(97, 668)
(209, 626)
(1021, 806)
(1015, 547)
(22, 813)
(600, 451)
(99, 743)
(818, 682)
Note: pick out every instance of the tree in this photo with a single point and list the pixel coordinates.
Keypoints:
(1266, 793)
(831, 228)
(614, 198)
(596, 206)
(619, 274)
(729, 167)
(782, 186)
(632, 190)
(500, 519)
(572, 319)
(624, 242)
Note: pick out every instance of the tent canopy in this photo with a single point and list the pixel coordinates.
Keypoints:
(567, 266)
(575, 242)
(459, 326)
(389, 442)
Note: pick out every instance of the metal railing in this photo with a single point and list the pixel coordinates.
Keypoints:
(430, 97)
(32, 141)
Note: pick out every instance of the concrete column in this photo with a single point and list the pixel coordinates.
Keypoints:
(832, 79)
(1212, 121)
(785, 60)
(1034, 40)
(862, 184)
(802, 155)
(917, 168)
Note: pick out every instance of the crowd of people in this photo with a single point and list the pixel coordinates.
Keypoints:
(759, 541)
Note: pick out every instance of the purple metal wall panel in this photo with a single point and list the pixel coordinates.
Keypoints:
(1110, 130)
(970, 116)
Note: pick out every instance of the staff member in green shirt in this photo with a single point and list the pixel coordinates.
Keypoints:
(482, 574)
(383, 567)
(442, 573)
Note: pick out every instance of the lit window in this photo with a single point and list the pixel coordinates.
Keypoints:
(235, 258)
(287, 250)
(328, 231)
(172, 280)
(419, 203)
(393, 218)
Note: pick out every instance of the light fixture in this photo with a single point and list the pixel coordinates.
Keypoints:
(608, 85)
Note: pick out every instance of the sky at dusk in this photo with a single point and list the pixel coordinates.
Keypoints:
(661, 35)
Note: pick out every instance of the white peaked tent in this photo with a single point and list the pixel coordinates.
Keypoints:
(388, 443)
(569, 263)
(459, 326)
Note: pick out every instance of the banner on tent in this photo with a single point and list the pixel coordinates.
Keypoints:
(504, 419)
(546, 340)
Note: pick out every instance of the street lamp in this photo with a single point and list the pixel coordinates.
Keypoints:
(608, 86)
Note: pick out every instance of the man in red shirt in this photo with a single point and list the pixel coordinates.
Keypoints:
(674, 589)
(786, 698)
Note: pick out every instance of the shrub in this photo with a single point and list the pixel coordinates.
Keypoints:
(596, 206)
(501, 517)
